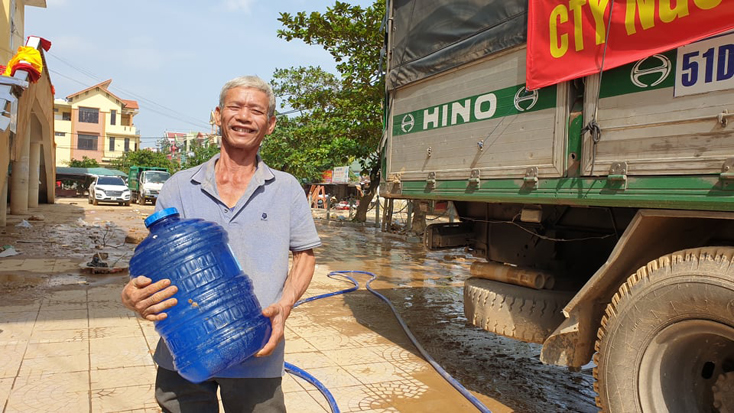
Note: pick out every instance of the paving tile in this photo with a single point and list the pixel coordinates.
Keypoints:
(62, 320)
(127, 330)
(408, 361)
(49, 365)
(122, 377)
(125, 399)
(298, 319)
(13, 264)
(375, 372)
(110, 317)
(65, 265)
(333, 377)
(56, 349)
(293, 383)
(10, 363)
(314, 330)
(46, 399)
(106, 353)
(351, 356)
(79, 295)
(309, 360)
(15, 330)
(332, 341)
(403, 388)
(353, 399)
(303, 402)
(63, 392)
(151, 336)
(59, 336)
(21, 308)
(5, 385)
(108, 293)
(48, 306)
(298, 345)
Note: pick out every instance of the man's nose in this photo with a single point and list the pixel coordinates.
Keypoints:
(243, 114)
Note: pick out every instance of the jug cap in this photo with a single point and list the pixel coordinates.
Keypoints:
(157, 216)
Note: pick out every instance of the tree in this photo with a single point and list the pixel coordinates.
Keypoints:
(84, 163)
(340, 117)
(143, 157)
(201, 154)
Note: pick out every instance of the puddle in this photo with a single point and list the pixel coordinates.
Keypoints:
(426, 287)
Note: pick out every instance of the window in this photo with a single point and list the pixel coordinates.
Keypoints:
(66, 116)
(59, 133)
(113, 116)
(112, 144)
(127, 144)
(89, 115)
(88, 142)
(110, 180)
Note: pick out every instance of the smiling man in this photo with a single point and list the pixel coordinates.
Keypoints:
(266, 215)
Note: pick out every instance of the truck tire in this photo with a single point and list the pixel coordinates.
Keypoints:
(512, 311)
(668, 336)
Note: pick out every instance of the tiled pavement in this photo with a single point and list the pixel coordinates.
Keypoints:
(79, 350)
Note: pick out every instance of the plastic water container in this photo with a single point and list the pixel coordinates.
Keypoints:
(218, 321)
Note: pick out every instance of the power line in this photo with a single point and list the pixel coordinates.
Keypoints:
(197, 122)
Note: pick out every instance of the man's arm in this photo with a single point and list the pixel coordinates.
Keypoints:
(304, 264)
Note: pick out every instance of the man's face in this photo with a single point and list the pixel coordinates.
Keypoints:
(244, 118)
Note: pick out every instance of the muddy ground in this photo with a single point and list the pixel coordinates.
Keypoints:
(425, 287)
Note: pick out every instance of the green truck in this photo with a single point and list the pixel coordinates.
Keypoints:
(145, 183)
(602, 208)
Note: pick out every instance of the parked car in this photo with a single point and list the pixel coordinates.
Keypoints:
(109, 189)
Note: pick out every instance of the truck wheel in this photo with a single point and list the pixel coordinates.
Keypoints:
(512, 311)
(668, 336)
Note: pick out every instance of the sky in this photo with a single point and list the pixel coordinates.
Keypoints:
(171, 56)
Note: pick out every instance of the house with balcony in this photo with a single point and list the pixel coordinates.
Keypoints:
(95, 123)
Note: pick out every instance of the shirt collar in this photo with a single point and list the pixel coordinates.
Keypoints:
(206, 176)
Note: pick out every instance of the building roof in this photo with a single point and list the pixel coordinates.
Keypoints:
(67, 171)
(130, 104)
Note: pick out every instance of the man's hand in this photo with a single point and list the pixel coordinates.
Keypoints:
(149, 300)
(277, 313)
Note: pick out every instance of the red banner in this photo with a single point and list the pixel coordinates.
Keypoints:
(566, 39)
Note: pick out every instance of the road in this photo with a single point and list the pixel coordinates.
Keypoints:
(425, 287)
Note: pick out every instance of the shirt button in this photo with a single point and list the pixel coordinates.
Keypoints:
(226, 210)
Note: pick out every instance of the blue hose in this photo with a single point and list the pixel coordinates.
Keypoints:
(332, 403)
(311, 379)
(290, 368)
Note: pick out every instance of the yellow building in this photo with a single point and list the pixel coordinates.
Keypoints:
(95, 123)
(27, 153)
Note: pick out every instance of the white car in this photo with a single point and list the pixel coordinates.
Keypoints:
(109, 189)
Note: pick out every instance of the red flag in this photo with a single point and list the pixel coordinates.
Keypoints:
(567, 39)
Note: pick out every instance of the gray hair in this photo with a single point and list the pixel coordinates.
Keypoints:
(253, 82)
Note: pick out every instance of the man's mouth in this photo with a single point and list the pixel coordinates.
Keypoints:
(241, 129)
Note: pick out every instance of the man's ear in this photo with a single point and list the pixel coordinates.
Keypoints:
(271, 126)
(218, 116)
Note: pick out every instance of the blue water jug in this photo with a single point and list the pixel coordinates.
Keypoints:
(218, 321)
